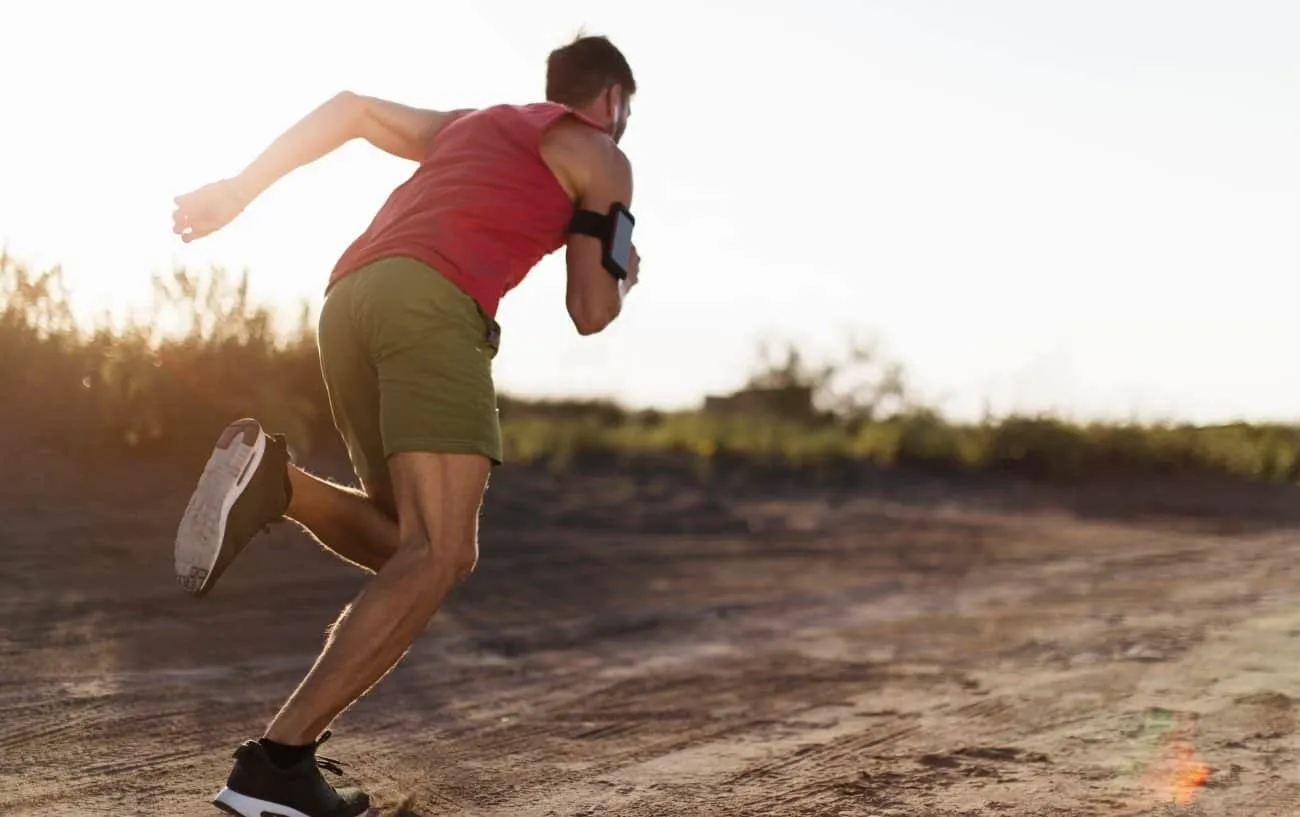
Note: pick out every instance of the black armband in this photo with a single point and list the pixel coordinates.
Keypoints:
(614, 229)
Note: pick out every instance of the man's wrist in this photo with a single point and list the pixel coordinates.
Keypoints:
(243, 189)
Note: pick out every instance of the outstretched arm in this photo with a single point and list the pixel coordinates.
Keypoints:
(394, 128)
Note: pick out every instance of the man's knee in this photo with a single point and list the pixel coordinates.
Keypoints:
(438, 497)
(460, 555)
(455, 556)
(466, 561)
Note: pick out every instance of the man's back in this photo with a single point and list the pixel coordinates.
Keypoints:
(483, 207)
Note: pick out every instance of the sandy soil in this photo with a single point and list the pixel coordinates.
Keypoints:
(641, 647)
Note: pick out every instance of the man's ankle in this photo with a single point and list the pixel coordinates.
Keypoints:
(286, 755)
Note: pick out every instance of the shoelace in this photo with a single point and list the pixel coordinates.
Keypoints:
(329, 764)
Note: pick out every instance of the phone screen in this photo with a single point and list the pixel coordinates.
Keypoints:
(620, 248)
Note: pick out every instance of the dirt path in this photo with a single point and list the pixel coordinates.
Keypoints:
(811, 665)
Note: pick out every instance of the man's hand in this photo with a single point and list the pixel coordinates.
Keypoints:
(204, 211)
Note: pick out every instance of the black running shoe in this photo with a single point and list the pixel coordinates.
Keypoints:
(244, 488)
(258, 788)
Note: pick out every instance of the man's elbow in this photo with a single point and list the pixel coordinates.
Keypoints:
(591, 319)
(349, 99)
(588, 324)
(351, 106)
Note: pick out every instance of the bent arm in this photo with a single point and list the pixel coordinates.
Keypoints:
(593, 296)
(397, 129)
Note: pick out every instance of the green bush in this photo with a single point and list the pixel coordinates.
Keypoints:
(204, 353)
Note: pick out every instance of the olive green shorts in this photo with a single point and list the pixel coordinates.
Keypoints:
(407, 359)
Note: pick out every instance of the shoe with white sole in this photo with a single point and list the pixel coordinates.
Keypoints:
(243, 490)
(257, 787)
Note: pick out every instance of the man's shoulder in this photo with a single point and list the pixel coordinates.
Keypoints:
(592, 149)
(517, 117)
(523, 109)
(547, 114)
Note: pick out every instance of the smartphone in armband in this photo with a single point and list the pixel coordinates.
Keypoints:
(618, 250)
(614, 229)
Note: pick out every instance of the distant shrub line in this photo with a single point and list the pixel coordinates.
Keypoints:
(136, 388)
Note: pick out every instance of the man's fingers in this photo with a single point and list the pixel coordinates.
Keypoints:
(190, 225)
(181, 221)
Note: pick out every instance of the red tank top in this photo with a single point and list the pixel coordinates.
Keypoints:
(483, 208)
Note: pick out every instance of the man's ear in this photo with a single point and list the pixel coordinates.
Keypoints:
(613, 102)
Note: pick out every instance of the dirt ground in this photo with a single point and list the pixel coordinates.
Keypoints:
(642, 646)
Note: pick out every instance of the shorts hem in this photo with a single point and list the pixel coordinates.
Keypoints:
(437, 446)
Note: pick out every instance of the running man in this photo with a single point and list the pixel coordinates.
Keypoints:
(406, 339)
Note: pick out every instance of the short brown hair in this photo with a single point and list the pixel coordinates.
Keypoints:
(578, 72)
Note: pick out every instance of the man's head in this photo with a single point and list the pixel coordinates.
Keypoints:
(591, 76)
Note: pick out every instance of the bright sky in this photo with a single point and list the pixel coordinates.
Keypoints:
(1086, 207)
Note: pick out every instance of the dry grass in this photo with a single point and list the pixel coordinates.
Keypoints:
(137, 389)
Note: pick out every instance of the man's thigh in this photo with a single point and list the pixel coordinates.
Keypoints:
(438, 498)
